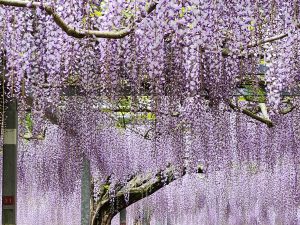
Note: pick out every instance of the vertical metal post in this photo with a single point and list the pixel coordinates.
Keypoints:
(9, 182)
(85, 192)
(123, 217)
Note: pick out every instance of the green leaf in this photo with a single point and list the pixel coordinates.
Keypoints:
(182, 12)
(151, 116)
(98, 13)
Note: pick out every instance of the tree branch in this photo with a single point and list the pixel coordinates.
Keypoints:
(138, 188)
(252, 115)
(268, 40)
(72, 31)
(81, 33)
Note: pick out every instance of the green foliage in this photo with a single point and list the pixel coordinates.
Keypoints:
(185, 10)
(127, 13)
(124, 104)
(28, 126)
(182, 12)
(251, 27)
(133, 111)
(28, 123)
(254, 88)
(254, 93)
(98, 11)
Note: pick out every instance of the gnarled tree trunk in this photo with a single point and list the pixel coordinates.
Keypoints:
(138, 187)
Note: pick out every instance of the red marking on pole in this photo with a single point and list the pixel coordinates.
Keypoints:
(8, 200)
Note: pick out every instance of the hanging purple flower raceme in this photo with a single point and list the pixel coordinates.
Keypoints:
(185, 60)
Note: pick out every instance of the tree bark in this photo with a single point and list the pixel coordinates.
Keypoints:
(138, 187)
(70, 30)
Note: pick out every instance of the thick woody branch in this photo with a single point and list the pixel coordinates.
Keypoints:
(138, 187)
(81, 33)
(72, 31)
(247, 112)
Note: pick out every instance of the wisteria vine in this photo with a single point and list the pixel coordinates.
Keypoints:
(136, 86)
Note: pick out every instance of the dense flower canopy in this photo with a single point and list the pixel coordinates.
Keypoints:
(251, 171)
(136, 86)
(179, 49)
